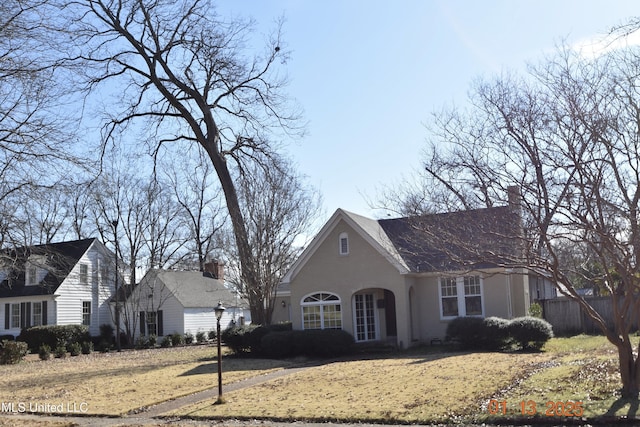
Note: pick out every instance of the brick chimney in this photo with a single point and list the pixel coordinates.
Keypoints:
(514, 196)
(214, 269)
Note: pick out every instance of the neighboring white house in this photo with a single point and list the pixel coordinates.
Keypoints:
(169, 301)
(56, 284)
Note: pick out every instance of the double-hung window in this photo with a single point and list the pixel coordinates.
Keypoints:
(86, 313)
(84, 274)
(36, 314)
(460, 296)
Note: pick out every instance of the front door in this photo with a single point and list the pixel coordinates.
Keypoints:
(365, 313)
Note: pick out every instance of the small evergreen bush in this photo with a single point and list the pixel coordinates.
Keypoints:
(75, 349)
(277, 345)
(44, 352)
(12, 352)
(87, 347)
(495, 334)
(188, 338)
(60, 352)
(142, 342)
(166, 342)
(201, 337)
(530, 333)
(177, 339)
(469, 332)
(153, 340)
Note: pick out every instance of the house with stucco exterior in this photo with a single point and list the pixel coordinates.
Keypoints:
(401, 281)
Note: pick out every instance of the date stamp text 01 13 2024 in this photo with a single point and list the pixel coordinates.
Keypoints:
(529, 408)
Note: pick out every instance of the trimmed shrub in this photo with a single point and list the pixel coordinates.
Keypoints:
(44, 352)
(12, 352)
(239, 340)
(75, 349)
(7, 337)
(281, 327)
(469, 332)
(86, 347)
(60, 352)
(53, 336)
(212, 334)
(177, 339)
(530, 333)
(323, 343)
(153, 340)
(495, 334)
(277, 345)
(166, 342)
(142, 342)
(188, 338)
(201, 337)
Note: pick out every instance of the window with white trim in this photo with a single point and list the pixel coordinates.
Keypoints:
(32, 275)
(15, 316)
(460, 296)
(84, 274)
(36, 313)
(321, 310)
(344, 244)
(86, 313)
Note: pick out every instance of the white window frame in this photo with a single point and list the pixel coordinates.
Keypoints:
(365, 316)
(328, 302)
(36, 313)
(83, 276)
(461, 294)
(343, 244)
(15, 315)
(86, 314)
(32, 275)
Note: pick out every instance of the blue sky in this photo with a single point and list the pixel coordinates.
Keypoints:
(369, 73)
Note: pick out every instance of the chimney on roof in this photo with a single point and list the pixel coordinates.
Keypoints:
(214, 269)
(514, 197)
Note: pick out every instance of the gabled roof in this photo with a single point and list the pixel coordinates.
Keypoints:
(193, 289)
(450, 241)
(59, 260)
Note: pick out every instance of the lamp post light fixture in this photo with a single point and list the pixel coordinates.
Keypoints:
(219, 310)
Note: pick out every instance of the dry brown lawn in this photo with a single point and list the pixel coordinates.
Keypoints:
(116, 383)
(430, 388)
(409, 387)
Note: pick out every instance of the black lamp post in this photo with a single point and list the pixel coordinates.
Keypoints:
(219, 310)
(114, 223)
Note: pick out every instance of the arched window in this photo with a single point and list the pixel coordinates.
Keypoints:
(343, 244)
(321, 311)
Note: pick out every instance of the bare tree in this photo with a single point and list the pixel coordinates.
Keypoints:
(200, 202)
(191, 76)
(567, 136)
(35, 144)
(280, 209)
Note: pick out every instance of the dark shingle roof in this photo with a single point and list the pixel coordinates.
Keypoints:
(479, 238)
(60, 258)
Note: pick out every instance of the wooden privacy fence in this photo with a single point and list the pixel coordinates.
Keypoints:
(567, 317)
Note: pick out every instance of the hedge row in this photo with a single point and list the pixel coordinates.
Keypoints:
(280, 341)
(53, 336)
(494, 333)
